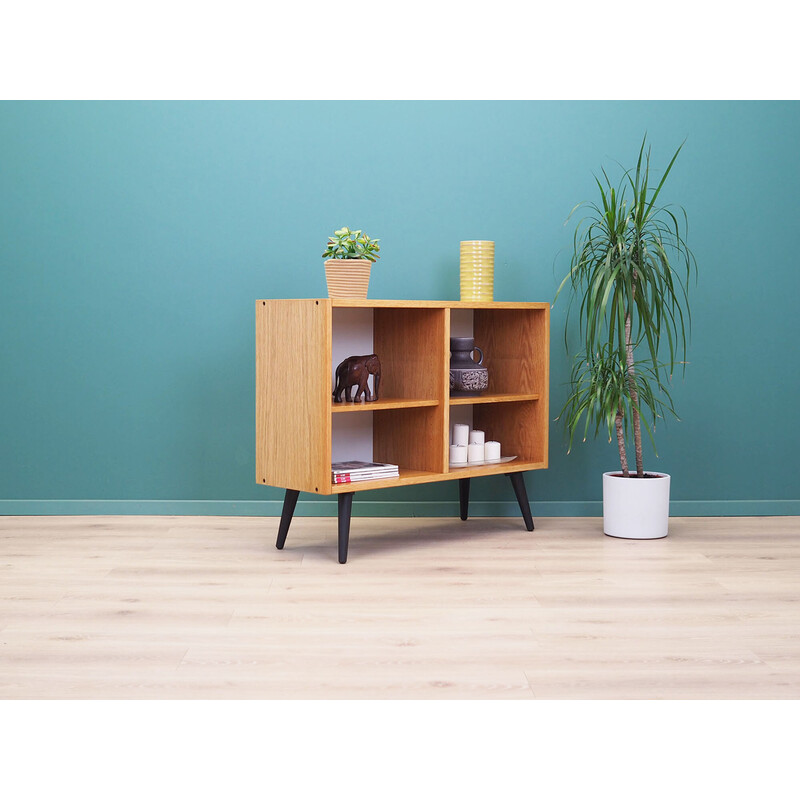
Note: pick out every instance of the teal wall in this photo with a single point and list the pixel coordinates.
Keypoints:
(135, 237)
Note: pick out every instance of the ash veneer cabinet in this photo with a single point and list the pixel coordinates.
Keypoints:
(411, 420)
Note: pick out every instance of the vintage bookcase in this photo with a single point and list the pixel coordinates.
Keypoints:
(300, 431)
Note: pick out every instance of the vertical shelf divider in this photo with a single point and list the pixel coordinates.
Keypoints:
(445, 394)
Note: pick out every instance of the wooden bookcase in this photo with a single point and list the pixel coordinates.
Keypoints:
(297, 422)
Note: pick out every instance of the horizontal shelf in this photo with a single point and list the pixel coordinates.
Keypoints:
(492, 398)
(495, 469)
(409, 477)
(383, 403)
(348, 302)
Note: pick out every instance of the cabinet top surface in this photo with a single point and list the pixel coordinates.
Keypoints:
(352, 303)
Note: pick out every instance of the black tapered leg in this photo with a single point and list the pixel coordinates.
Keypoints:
(463, 496)
(345, 509)
(289, 502)
(518, 482)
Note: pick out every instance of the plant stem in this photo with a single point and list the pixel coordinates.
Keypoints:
(637, 429)
(623, 458)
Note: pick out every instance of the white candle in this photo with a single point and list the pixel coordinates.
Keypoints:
(476, 437)
(461, 434)
(458, 454)
(475, 452)
(492, 451)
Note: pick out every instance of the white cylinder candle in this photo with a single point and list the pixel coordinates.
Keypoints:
(491, 451)
(475, 452)
(461, 434)
(476, 437)
(458, 454)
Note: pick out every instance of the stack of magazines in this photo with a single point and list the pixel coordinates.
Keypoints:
(351, 471)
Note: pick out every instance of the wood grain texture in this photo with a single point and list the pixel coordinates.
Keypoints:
(381, 404)
(206, 607)
(516, 343)
(353, 303)
(517, 426)
(413, 347)
(508, 397)
(293, 399)
(516, 348)
(409, 437)
(518, 465)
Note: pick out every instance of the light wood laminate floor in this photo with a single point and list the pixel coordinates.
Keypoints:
(206, 607)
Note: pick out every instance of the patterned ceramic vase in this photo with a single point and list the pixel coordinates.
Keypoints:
(467, 378)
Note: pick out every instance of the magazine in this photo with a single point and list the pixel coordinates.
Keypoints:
(354, 466)
(365, 477)
(349, 471)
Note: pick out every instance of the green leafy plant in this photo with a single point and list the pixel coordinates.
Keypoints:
(629, 271)
(351, 244)
(602, 388)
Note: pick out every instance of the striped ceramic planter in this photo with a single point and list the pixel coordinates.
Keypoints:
(347, 277)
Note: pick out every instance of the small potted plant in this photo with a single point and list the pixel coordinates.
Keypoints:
(629, 272)
(350, 256)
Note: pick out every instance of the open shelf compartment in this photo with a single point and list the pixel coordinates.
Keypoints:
(513, 410)
(516, 347)
(411, 437)
(405, 339)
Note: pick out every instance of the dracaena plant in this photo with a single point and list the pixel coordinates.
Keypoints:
(602, 388)
(629, 274)
(352, 244)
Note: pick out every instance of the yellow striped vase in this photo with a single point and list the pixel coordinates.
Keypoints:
(477, 271)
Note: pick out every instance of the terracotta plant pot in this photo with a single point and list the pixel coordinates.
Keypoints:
(348, 277)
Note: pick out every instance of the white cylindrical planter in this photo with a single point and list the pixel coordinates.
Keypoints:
(635, 508)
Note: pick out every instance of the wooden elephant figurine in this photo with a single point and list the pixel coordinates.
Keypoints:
(355, 371)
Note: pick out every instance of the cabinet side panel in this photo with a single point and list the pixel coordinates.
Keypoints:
(293, 403)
